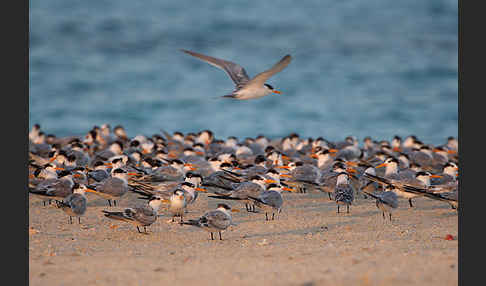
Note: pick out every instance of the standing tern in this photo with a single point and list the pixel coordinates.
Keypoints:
(271, 199)
(385, 201)
(246, 88)
(421, 180)
(112, 188)
(75, 203)
(138, 216)
(343, 193)
(177, 204)
(216, 220)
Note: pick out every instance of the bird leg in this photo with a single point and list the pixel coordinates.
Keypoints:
(138, 230)
(79, 220)
(390, 217)
(338, 208)
(347, 208)
(220, 238)
(383, 215)
(212, 238)
(273, 216)
(109, 202)
(410, 202)
(70, 220)
(114, 203)
(266, 217)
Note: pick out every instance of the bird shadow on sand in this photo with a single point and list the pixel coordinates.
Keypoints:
(300, 231)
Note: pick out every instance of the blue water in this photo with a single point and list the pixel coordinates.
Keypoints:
(363, 68)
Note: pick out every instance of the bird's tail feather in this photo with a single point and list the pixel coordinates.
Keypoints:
(114, 215)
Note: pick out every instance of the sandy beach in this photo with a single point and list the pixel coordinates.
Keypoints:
(309, 243)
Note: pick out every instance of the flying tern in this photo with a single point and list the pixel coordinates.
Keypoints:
(246, 88)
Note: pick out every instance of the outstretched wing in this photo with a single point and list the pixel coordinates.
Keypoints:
(262, 77)
(235, 71)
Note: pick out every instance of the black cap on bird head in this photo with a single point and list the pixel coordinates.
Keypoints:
(269, 149)
(269, 86)
(63, 173)
(134, 143)
(225, 165)
(188, 184)
(260, 159)
(119, 171)
(178, 191)
(272, 185)
(256, 177)
(225, 206)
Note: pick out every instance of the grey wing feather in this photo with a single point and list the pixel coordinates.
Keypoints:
(235, 71)
(145, 215)
(272, 198)
(260, 78)
(112, 186)
(217, 219)
(390, 198)
(247, 189)
(77, 203)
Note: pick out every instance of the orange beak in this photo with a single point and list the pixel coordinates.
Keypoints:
(351, 170)
(270, 182)
(451, 151)
(283, 167)
(435, 176)
(181, 197)
(349, 163)
(285, 157)
(91, 191)
(58, 169)
(165, 201)
(236, 168)
(381, 165)
(77, 176)
(288, 189)
(133, 174)
(200, 189)
(285, 175)
(276, 91)
(314, 156)
(31, 176)
(145, 151)
(397, 149)
(199, 153)
(52, 159)
(108, 164)
(333, 150)
(235, 211)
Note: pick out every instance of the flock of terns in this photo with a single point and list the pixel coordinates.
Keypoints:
(173, 169)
